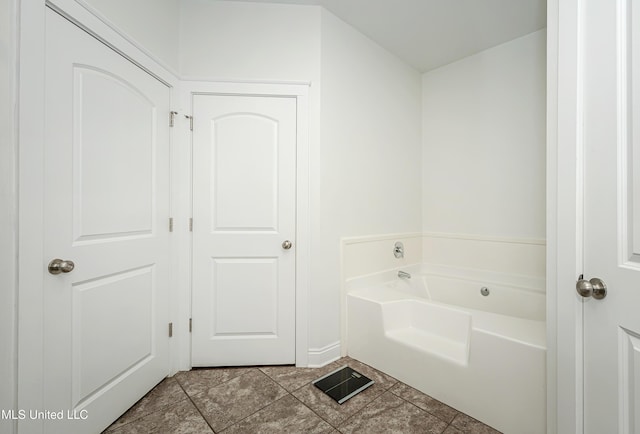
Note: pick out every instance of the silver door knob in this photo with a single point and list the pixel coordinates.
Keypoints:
(58, 266)
(595, 288)
(287, 244)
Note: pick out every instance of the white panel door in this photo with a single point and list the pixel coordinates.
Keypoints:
(244, 188)
(612, 215)
(106, 209)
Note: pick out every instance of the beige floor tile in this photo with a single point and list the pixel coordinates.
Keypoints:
(255, 400)
(165, 394)
(292, 378)
(425, 402)
(468, 425)
(381, 379)
(230, 402)
(330, 410)
(182, 418)
(200, 380)
(390, 414)
(285, 416)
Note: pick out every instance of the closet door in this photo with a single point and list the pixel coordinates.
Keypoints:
(106, 246)
(244, 213)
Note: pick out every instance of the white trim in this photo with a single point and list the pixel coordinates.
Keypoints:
(198, 79)
(30, 217)
(626, 257)
(213, 87)
(369, 238)
(9, 226)
(139, 47)
(565, 382)
(551, 218)
(92, 22)
(303, 215)
(319, 357)
(493, 239)
(182, 212)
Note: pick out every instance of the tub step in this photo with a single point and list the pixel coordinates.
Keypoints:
(416, 338)
(342, 384)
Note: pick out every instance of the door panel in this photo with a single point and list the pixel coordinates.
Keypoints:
(114, 143)
(237, 280)
(243, 209)
(106, 207)
(245, 196)
(611, 216)
(100, 353)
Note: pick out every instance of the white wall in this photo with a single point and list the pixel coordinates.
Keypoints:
(8, 252)
(153, 24)
(367, 170)
(484, 142)
(364, 121)
(249, 41)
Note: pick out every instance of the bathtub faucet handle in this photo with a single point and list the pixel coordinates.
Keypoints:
(398, 250)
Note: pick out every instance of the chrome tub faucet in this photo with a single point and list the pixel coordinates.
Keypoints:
(404, 275)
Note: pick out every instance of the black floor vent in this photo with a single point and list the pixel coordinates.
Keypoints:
(343, 384)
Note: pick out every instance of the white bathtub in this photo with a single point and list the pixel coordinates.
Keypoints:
(483, 355)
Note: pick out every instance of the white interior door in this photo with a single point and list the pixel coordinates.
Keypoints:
(611, 71)
(106, 209)
(244, 192)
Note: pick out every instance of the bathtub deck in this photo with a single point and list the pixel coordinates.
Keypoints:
(431, 343)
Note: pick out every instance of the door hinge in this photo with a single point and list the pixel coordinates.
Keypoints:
(170, 329)
(190, 325)
(191, 224)
(172, 116)
(170, 224)
(190, 121)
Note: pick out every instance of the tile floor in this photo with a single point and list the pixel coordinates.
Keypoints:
(281, 399)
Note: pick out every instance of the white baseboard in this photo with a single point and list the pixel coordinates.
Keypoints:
(319, 357)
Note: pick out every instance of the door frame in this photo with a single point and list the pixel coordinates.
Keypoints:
(299, 91)
(565, 161)
(31, 103)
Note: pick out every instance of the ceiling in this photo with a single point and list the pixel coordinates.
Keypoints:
(427, 34)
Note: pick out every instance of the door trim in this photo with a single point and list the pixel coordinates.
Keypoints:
(297, 90)
(564, 216)
(30, 180)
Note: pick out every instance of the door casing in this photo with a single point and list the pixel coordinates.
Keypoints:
(564, 216)
(299, 91)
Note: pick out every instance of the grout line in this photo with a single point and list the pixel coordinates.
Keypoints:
(163, 410)
(424, 409)
(363, 407)
(429, 413)
(257, 411)
(314, 412)
(144, 414)
(197, 408)
(265, 406)
(254, 369)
